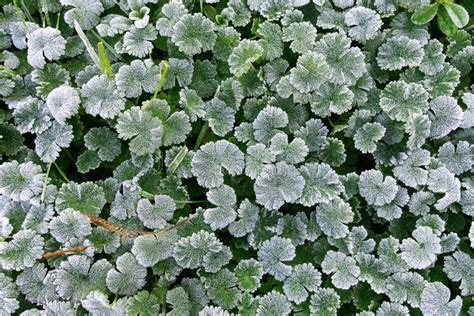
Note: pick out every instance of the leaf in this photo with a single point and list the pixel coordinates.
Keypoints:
(445, 24)
(103, 59)
(457, 13)
(425, 14)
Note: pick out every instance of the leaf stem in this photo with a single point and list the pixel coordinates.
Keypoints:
(45, 182)
(20, 17)
(164, 66)
(46, 14)
(61, 172)
(27, 13)
(107, 45)
(177, 160)
(202, 134)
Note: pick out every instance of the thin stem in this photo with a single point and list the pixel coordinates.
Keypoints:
(147, 195)
(27, 13)
(45, 183)
(107, 45)
(330, 122)
(46, 14)
(178, 159)
(164, 66)
(20, 17)
(202, 134)
(61, 172)
(58, 18)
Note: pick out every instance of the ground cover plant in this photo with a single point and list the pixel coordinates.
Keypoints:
(250, 157)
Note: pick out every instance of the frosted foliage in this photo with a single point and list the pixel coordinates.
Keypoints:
(420, 251)
(304, 278)
(102, 98)
(211, 158)
(70, 224)
(273, 253)
(376, 189)
(63, 102)
(333, 216)
(364, 23)
(44, 43)
(435, 300)
(321, 184)
(49, 143)
(398, 52)
(344, 268)
(21, 251)
(20, 182)
(236, 157)
(155, 215)
(268, 123)
(277, 184)
(128, 277)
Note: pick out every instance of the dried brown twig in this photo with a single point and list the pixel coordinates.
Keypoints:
(59, 252)
(115, 228)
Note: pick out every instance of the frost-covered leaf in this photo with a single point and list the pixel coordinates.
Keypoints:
(44, 43)
(292, 153)
(194, 34)
(69, 226)
(128, 277)
(411, 171)
(445, 115)
(310, 71)
(268, 123)
(274, 303)
(321, 184)
(325, 301)
(304, 278)
(398, 52)
(344, 268)
(20, 182)
(101, 97)
(223, 214)
(375, 189)
(435, 299)
(364, 23)
(8, 295)
(21, 251)
(273, 253)
(277, 184)
(139, 76)
(138, 41)
(367, 136)
(142, 129)
(104, 141)
(86, 197)
(404, 101)
(63, 102)
(221, 117)
(156, 215)
(97, 303)
(420, 251)
(249, 272)
(242, 57)
(49, 143)
(209, 160)
(302, 36)
(333, 216)
(151, 249)
(346, 63)
(460, 267)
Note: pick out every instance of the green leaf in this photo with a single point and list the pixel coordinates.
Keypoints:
(457, 13)
(426, 14)
(445, 24)
(103, 60)
(210, 12)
